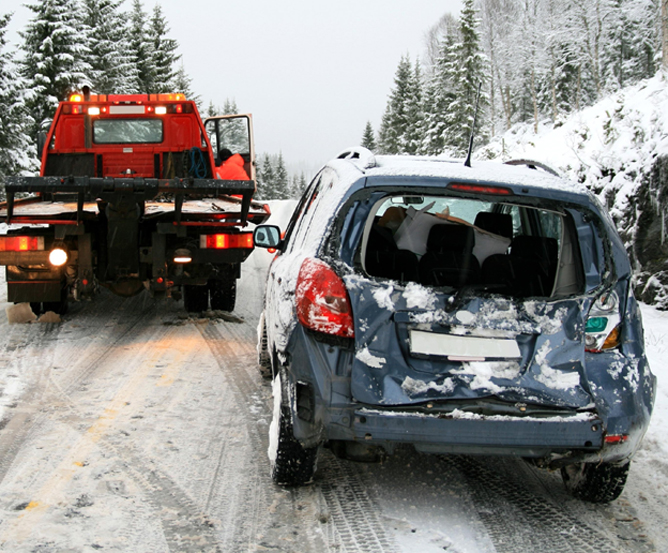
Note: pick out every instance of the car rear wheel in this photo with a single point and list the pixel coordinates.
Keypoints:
(595, 482)
(195, 298)
(291, 463)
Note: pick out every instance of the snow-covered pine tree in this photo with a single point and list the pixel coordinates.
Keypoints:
(466, 69)
(299, 184)
(265, 179)
(141, 50)
(212, 110)
(439, 94)
(631, 42)
(164, 56)
(281, 182)
(411, 140)
(53, 61)
(107, 54)
(395, 122)
(183, 84)
(230, 107)
(369, 138)
(16, 152)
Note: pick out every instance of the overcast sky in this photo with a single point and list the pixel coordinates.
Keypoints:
(311, 73)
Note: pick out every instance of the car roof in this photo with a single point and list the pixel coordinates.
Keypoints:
(527, 178)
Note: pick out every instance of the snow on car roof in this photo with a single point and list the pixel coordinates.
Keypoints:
(480, 171)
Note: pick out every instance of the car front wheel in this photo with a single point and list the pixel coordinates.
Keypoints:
(595, 482)
(291, 463)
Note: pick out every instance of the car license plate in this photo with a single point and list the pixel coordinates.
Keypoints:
(463, 348)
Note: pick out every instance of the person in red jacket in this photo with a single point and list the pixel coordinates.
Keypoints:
(231, 167)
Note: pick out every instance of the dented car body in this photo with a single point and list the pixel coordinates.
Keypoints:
(470, 310)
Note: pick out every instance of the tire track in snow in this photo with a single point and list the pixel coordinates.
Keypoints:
(185, 528)
(349, 516)
(357, 525)
(519, 519)
(260, 515)
(26, 416)
(18, 423)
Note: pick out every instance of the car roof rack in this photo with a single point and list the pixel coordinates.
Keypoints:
(531, 164)
(364, 157)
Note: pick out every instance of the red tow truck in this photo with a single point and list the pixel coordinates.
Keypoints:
(127, 199)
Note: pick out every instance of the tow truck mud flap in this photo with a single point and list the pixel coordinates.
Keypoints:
(471, 433)
(34, 290)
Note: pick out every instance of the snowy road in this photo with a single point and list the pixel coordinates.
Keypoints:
(130, 427)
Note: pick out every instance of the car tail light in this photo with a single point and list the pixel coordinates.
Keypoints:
(480, 188)
(616, 438)
(603, 325)
(226, 241)
(322, 300)
(21, 243)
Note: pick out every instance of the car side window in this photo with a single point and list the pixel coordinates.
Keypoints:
(305, 225)
(299, 211)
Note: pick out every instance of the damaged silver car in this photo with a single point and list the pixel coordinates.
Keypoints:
(470, 310)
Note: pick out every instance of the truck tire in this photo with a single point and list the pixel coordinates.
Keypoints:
(291, 463)
(195, 298)
(595, 482)
(223, 293)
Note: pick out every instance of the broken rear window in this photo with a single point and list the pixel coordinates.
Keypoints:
(503, 248)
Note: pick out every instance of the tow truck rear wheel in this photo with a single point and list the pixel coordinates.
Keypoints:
(595, 482)
(195, 298)
(223, 292)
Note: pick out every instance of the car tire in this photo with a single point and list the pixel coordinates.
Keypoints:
(223, 291)
(595, 482)
(263, 355)
(195, 298)
(291, 463)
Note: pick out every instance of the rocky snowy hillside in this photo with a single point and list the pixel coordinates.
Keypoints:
(619, 149)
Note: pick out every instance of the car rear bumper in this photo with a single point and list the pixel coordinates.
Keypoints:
(501, 435)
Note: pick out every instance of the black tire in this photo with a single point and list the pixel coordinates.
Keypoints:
(263, 355)
(595, 482)
(223, 293)
(294, 465)
(195, 298)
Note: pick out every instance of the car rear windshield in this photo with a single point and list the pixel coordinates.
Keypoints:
(504, 248)
(127, 131)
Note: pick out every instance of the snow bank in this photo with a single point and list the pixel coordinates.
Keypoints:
(607, 147)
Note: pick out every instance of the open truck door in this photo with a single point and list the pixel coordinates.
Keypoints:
(234, 133)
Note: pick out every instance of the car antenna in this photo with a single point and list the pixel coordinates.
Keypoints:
(467, 163)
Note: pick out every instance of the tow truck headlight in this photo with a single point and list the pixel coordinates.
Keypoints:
(58, 256)
(602, 328)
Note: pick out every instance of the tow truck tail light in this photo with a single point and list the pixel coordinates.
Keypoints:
(226, 241)
(21, 243)
(322, 300)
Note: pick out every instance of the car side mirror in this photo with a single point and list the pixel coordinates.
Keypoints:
(267, 236)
